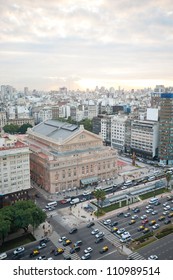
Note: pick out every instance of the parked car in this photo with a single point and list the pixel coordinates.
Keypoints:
(86, 256)
(98, 240)
(19, 250)
(73, 230)
(41, 246)
(91, 224)
(104, 249)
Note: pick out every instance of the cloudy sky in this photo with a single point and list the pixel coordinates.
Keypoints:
(80, 43)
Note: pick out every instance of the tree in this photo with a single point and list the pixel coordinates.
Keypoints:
(23, 128)
(11, 128)
(4, 227)
(168, 179)
(100, 196)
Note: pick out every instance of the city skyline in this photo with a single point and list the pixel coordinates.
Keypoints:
(73, 43)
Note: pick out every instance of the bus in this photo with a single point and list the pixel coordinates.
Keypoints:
(107, 188)
(153, 200)
(51, 204)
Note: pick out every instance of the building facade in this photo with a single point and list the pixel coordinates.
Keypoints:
(145, 138)
(66, 156)
(118, 127)
(166, 128)
(14, 171)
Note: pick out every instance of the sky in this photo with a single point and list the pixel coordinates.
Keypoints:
(82, 44)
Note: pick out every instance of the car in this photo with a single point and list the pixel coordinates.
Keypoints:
(153, 222)
(18, 250)
(136, 210)
(44, 240)
(107, 222)
(100, 234)
(50, 259)
(73, 230)
(41, 258)
(146, 230)
(156, 226)
(114, 229)
(165, 213)
(120, 214)
(143, 217)
(149, 207)
(140, 228)
(41, 246)
(134, 217)
(78, 243)
(61, 239)
(86, 256)
(132, 222)
(166, 222)
(157, 203)
(3, 256)
(154, 212)
(94, 231)
(167, 208)
(165, 204)
(170, 215)
(34, 253)
(74, 249)
(113, 224)
(98, 240)
(153, 257)
(88, 250)
(59, 251)
(127, 215)
(104, 249)
(66, 242)
(149, 210)
(161, 218)
(144, 221)
(67, 257)
(121, 230)
(91, 224)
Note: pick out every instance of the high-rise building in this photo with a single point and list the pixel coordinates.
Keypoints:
(166, 128)
(14, 170)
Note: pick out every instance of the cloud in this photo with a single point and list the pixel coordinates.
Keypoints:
(113, 39)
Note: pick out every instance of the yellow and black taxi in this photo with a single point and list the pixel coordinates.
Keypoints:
(34, 253)
(152, 223)
(67, 242)
(161, 218)
(133, 221)
(104, 249)
(170, 215)
(59, 251)
(114, 229)
(146, 230)
(140, 228)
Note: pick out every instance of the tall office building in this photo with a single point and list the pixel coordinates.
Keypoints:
(166, 128)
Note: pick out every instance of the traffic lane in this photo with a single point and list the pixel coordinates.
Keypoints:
(163, 248)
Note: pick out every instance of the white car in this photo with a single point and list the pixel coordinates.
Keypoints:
(86, 256)
(61, 239)
(149, 210)
(19, 250)
(134, 217)
(107, 222)
(88, 250)
(143, 217)
(41, 246)
(121, 230)
(95, 231)
(155, 226)
(153, 257)
(100, 234)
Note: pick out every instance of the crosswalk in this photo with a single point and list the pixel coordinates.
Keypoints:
(135, 256)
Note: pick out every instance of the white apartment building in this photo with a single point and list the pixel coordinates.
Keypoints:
(14, 170)
(45, 114)
(106, 127)
(145, 138)
(118, 127)
(3, 119)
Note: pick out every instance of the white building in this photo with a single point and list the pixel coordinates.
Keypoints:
(145, 138)
(118, 127)
(14, 170)
(45, 114)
